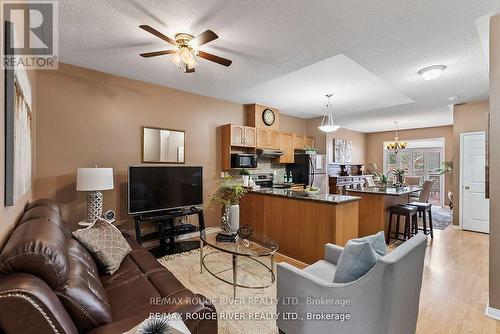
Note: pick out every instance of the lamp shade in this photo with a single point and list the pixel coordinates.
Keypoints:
(94, 179)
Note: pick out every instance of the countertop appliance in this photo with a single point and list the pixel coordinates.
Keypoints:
(243, 160)
(310, 169)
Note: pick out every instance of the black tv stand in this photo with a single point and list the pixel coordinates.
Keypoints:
(166, 231)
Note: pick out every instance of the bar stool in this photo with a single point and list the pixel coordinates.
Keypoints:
(423, 209)
(411, 225)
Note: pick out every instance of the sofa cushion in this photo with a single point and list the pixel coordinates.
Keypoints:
(83, 295)
(37, 247)
(106, 244)
(322, 269)
(358, 257)
(140, 280)
(48, 213)
(44, 202)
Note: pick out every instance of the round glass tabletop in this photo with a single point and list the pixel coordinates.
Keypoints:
(257, 245)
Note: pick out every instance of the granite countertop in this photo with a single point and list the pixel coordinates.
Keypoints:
(390, 191)
(322, 198)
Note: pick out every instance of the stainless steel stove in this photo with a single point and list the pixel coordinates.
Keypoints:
(265, 180)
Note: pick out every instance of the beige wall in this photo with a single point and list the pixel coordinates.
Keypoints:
(358, 143)
(324, 141)
(9, 215)
(375, 144)
(91, 118)
(292, 124)
(467, 117)
(494, 258)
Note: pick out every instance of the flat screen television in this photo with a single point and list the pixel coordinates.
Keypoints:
(159, 188)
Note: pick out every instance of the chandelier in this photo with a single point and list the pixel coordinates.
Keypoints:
(327, 124)
(396, 145)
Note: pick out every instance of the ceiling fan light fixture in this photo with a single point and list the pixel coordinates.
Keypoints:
(186, 54)
(176, 59)
(186, 51)
(432, 72)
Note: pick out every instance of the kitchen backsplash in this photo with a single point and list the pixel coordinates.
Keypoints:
(265, 165)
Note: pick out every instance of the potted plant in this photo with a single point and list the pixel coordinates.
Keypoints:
(400, 176)
(447, 168)
(227, 196)
(383, 181)
(310, 150)
(245, 175)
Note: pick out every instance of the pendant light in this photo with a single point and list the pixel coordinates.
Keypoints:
(396, 145)
(327, 124)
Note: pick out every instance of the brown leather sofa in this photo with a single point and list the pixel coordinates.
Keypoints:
(49, 283)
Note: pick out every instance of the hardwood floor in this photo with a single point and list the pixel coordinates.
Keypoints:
(455, 284)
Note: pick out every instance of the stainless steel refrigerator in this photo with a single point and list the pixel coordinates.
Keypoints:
(310, 169)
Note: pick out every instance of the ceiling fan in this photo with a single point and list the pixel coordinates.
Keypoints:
(184, 56)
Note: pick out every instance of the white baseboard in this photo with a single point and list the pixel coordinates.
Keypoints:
(492, 312)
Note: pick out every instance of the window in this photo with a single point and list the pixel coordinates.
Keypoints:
(421, 158)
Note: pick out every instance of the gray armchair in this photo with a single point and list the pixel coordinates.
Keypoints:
(384, 301)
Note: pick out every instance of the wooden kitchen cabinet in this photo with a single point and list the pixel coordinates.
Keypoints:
(250, 136)
(236, 139)
(262, 138)
(274, 139)
(268, 139)
(237, 135)
(287, 146)
(299, 142)
(245, 136)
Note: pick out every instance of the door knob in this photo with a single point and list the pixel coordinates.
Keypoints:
(467, 187)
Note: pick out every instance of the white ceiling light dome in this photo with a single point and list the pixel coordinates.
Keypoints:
(432, 72)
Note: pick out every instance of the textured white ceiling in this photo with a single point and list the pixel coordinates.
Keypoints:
(303, 92)
(391, 40)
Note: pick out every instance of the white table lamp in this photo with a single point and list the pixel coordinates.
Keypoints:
(94, 180)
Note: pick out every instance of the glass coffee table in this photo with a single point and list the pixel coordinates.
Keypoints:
(254, 247)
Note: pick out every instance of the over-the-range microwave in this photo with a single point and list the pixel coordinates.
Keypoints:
(242, 160)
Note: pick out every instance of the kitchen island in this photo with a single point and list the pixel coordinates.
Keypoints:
(301, 224)
(374, 206)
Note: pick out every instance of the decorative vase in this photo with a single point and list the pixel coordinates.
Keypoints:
(246, 180)
(234, 218)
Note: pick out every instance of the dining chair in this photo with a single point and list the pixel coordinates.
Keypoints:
(412, 180)
(424, 208)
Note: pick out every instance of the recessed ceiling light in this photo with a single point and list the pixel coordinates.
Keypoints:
(453, 98)
(432, 72)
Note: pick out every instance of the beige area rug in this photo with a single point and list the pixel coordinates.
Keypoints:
(253, 310)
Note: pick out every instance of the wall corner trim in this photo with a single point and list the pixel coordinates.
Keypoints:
(492, 312)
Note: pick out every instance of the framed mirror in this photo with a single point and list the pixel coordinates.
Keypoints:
(163, 145)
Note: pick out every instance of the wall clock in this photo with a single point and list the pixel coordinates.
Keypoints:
(268, 117)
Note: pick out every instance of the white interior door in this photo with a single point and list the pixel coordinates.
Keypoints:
(474, 206)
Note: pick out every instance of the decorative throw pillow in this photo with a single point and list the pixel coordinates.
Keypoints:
(106, 244)
(161, 324)
(377, 241)
(359, 256)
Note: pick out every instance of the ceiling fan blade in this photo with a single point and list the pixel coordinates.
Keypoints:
(188, 70)
(203, 38)
(158, 34)
(157, 53)
(214, 58)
